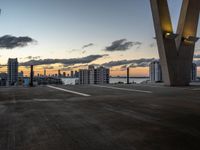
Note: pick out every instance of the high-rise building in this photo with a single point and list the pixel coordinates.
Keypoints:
(72, 74)
(194, 72)
(155, 71)
(64, 74)
(91, 74)
(76, 74)
(84, 76)
(94, 75)
(20, 78)
(3, 79)
(59, 73)
(12, 71)
(101, 75)
(21, 74)
(45, 72)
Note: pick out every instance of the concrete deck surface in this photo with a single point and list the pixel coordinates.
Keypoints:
(43, 118)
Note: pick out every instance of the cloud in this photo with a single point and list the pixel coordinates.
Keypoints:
(3, 65)
(143, 62)
(88, 45)
(83, 52)
(137, 44)
(73, 50)
(122, 45)
(69, 68)
(123, 68)
(72, 61)
(10, 42)
(152, 45)
(48, 67)
(66, 69)
(32, 57)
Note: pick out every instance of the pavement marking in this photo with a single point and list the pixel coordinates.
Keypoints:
(47, 100)
(197, 89)
(124, 89)
(69, 91)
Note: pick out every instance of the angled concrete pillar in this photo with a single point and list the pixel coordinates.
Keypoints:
(176, 49)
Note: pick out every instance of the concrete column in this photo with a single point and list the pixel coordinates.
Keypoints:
(176, 49)
(31, 76)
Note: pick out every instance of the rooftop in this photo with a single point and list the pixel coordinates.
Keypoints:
(109, 117)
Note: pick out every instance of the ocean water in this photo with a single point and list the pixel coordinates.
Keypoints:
(124, 80)
(72, 81)
(69, 81)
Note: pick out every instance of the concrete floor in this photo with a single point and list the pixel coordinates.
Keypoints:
(123, 118)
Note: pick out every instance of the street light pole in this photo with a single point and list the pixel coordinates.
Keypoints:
(128, 75)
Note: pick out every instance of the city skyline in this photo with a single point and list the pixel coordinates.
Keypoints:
(79, 30)
(99, 74)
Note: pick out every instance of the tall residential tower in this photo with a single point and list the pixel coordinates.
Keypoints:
(12, 71)
(92, 75)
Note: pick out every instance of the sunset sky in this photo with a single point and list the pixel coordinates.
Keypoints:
(114, 33)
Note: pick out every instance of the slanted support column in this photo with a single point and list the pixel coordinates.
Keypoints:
(176, 49)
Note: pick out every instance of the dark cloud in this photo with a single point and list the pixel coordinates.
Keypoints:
(152, 45)
(3, 65)
(32, 57)
(48, 67)
(137, 63)
(143, 62)
(123, 68)
(36, 57)
(137, 44)
(28, 57)
(69, 68)
(88, 45)
(73, 50)
(122, 45)
(66, 69)
(10, 42)
(83, 52)
(71, 61)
